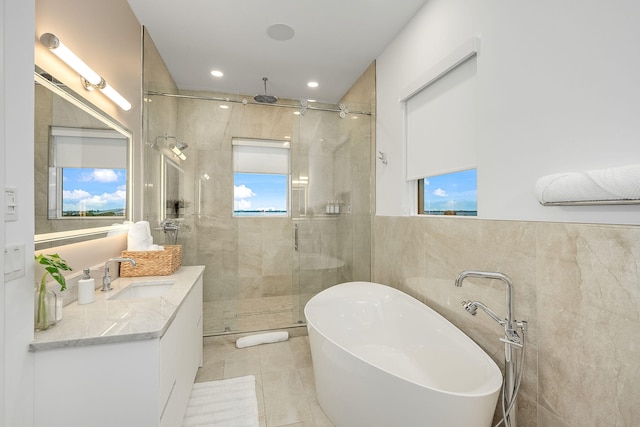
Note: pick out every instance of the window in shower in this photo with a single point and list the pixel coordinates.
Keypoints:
(260, 178)
(449, 194)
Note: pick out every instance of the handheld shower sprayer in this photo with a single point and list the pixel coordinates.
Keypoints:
(472, 307)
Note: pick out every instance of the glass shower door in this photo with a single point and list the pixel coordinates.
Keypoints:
(331, 202)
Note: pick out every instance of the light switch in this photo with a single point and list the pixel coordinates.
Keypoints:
(13, 262)
(10, 204)
(8, 262)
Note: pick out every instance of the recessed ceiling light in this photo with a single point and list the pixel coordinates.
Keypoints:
(311, 100)
(287, 137)
(312, 84)
(297, 113)
(224, 106)
(217, 73)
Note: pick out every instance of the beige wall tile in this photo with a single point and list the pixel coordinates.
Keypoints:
(576, 285)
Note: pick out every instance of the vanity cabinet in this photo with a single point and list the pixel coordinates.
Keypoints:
(125, 382)
(178, 365)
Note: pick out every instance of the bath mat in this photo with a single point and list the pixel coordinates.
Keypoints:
(224, 403)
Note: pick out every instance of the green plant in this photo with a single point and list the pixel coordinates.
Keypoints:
(53, 266)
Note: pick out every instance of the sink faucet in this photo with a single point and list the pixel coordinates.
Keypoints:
(106, 280)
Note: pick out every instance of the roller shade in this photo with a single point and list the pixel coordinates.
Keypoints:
(88, 148)
(441, 124)
(260, 156)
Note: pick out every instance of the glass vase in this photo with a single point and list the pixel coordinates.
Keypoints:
(46, 309)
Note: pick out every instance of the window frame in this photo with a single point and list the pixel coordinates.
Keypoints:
(250, 167)
(452, 212)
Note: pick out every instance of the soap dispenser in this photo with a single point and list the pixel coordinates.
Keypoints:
(86, 288)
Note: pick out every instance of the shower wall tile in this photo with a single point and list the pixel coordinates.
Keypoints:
(577, 285)
(361, 180)
(250, 247)
(277, 249)
(361, 247)
(277, 285)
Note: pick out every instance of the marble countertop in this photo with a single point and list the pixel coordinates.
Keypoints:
(108, 321)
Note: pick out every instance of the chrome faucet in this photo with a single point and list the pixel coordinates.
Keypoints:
(472, 307)
(508, 322)
(106, 280)
(511, 339)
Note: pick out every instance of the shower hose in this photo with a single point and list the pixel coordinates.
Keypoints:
(507, 406)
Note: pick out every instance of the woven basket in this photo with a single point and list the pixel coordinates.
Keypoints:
(152, 263)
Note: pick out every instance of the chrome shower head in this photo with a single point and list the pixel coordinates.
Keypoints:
(174, 143)
(182, 145)
(266, 99)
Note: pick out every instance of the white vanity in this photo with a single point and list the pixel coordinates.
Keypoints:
(123, 360)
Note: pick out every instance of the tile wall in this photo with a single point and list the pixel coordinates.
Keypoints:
(576, 284)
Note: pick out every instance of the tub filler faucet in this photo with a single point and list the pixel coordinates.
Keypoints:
(507, 323)
(511, 339)
(106, 280)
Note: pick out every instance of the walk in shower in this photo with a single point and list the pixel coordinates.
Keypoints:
(261, 269)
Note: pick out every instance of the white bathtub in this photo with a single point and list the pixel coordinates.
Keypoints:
(382, 358)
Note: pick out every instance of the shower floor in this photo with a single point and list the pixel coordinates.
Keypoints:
(251, 314)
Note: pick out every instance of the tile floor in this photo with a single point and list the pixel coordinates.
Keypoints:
(285, 385)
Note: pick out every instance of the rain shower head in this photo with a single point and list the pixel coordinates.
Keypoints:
(267, 99)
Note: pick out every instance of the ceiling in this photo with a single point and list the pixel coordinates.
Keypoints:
(334, 42)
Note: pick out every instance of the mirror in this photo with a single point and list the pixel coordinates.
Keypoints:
(82, 168)
(173, 198)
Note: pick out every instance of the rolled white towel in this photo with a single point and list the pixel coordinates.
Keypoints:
(268, 337)
(139, 237)
(621, 183)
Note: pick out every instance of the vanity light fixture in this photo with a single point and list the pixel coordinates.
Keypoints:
(90, 79)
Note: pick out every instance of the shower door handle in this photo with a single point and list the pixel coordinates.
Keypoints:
(295, 237)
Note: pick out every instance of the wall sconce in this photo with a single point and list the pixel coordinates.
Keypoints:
(90, 79)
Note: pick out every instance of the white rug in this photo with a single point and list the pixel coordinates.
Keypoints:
(224, 403)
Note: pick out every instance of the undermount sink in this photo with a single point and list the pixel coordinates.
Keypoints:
(144, 289)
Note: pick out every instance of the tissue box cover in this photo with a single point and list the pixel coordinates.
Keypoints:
(152, 263)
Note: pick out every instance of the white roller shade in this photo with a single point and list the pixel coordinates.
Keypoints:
(88, 148)
(260, 156)
(441, 124)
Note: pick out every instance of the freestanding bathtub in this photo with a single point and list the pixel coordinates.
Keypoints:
(383, 359)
